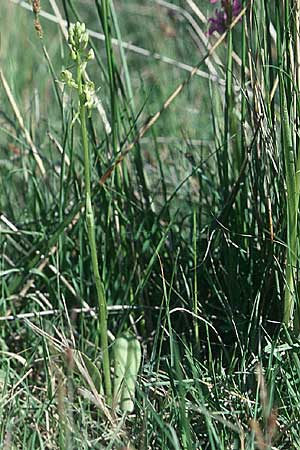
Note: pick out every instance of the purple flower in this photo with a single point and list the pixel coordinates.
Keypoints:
(218, 23)
(236, 8)
(221, 20)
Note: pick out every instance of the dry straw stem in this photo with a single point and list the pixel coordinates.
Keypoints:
(151, 120)
(264, 437)
(21, 124)
(264, 440)
(85, 310)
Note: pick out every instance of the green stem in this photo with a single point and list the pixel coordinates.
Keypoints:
(196, 321)
(92, 239)
(292, 211)
(291, 308)
(228, 114)
(111, 72)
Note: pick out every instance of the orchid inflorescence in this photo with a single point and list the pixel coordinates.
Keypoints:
(223, 17)
(78, 41)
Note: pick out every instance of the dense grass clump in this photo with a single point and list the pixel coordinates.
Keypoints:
(149, 199)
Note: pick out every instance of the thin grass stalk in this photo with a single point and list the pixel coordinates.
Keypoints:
(270, 79)
(36, 10)
(297, 123)
(195, 306)
(123, 58)
(291, 176)
(227, 114)
(105, 16)
(292, 213)
(243, 85)
(129, 107)
(186, 434)
(242, 141)
(228, 158)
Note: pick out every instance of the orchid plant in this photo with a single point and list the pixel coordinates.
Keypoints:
(223, 17)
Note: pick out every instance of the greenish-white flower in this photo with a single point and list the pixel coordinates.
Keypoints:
(67, 78)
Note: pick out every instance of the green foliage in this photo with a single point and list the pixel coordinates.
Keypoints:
(127, 361)
(193, 236)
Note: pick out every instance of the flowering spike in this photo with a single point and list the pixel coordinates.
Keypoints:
(223, 17)
(78, 41)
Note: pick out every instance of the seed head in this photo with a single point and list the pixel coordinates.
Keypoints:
(36, 6)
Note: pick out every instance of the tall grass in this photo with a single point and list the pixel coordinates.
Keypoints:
(288, 53)
(194, 187)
